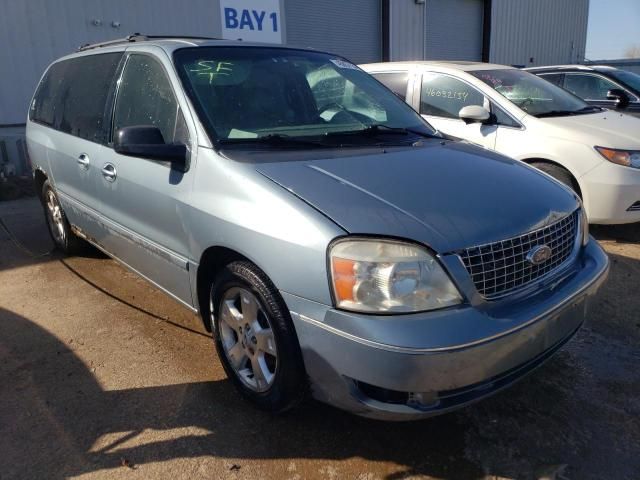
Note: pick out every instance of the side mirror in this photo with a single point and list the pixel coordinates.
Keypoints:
(146, 141)
(474, 114)
(619, 96)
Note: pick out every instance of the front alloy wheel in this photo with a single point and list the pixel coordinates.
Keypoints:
(255, 337)
(247, 339)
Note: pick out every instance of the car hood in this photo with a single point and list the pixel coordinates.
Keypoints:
(447, 195)
(606, 129)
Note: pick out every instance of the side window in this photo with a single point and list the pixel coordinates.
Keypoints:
(444, 96)
(43, 107)
(82, 96)
(396, 82)
(73, 94)
(555, 78)
(588, 87)
(502, 118)
(145, 97)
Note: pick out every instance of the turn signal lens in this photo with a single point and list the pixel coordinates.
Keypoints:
(344, 278)
(626, 158)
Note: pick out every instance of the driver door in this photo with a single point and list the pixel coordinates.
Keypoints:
(440, 100)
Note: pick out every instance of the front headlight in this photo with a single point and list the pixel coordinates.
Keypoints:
(387, 276)
(627, 158)
(584, 224)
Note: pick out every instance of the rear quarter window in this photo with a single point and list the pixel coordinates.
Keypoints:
(72, 96)
(43, 107)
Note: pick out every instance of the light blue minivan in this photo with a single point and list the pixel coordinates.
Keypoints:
(332, 241)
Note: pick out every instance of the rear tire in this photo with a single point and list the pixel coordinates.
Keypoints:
(559, 173)
(255, 338)
(63, 237)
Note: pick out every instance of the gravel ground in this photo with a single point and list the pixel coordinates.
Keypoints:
(102, 376)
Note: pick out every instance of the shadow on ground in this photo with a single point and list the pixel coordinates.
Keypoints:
(50, 399)
(628, 233)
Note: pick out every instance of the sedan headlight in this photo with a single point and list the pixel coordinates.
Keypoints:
(627, 158)
(387, 276)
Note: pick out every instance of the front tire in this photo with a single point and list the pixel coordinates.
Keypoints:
(559, 173)
(63, 237)
(255, 338)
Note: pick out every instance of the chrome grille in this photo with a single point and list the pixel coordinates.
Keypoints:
(502, 267)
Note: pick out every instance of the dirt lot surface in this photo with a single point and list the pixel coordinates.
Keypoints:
(102, 376)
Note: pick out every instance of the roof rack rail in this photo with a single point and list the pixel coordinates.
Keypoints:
(137, 37)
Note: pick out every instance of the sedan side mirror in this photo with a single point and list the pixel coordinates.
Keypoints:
(474, 114)
(146, 141)
(619, 96)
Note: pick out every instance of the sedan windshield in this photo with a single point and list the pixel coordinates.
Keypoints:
(293, 97)
(532, 94)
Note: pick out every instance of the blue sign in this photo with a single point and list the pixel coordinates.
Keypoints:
(252, 20)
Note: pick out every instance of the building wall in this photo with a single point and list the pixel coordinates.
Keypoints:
(454, 30)
(350, 28)
(406, 32)
(538, 32)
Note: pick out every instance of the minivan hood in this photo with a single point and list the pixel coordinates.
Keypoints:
(447, 195)
(606, 129)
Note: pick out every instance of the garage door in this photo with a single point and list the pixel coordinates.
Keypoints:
(350, 28)
(454, 29)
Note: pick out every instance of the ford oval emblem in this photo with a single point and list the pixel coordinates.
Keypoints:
(539, 254)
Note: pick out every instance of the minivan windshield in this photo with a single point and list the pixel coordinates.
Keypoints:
(631, 79)
(288, 96)
(534, 95)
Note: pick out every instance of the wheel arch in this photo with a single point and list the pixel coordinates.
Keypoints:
(574, 178)
(212, 261)
(39, 177)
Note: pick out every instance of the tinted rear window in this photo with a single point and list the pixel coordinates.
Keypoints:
(73, 95)
(43, 108)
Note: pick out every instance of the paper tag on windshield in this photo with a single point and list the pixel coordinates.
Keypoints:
(235, 133)
(342, 64)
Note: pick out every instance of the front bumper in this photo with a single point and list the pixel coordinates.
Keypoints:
(412, 366)
(609, 190)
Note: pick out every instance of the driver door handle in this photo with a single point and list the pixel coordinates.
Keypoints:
(83, 161)
(109, 172)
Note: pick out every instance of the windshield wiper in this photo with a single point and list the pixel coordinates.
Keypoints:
(590, 108)
(379, 128)
(566, 113)
(271, 139)
(555, 113)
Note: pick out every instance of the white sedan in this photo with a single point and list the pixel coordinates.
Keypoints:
(594, 151)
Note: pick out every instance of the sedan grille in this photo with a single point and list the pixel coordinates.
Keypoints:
(502, 267)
